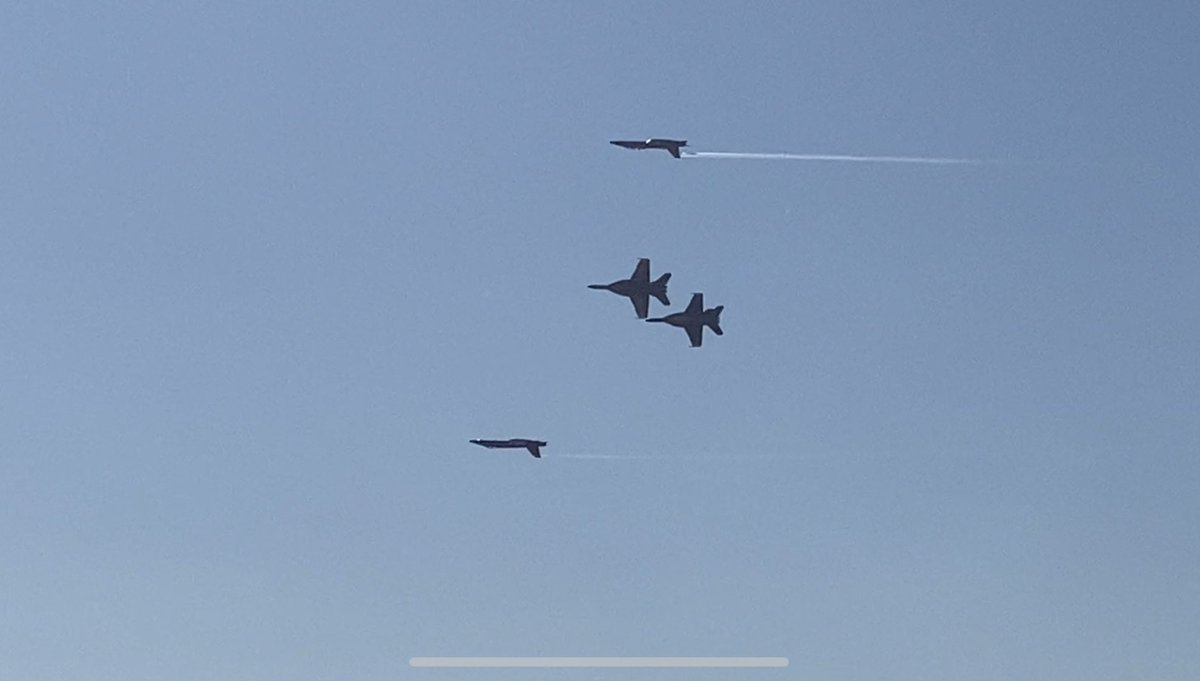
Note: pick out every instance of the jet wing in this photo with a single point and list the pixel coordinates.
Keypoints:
(697, 304)
(641, 304)
(696, 334)
(642, 271)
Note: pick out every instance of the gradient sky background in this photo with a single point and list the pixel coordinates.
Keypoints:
(266, 268)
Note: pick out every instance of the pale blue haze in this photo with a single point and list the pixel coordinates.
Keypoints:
(266, 267)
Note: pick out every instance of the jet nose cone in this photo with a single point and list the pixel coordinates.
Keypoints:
(599, 286)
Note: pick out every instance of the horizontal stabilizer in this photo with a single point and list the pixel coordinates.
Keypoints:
(659, 289)
(715, 322)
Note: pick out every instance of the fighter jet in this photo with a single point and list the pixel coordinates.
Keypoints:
(638, 288)
(515, 443)
(653, 143)
(695, 318)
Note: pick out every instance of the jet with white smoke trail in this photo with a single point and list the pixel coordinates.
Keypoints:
(674, 147)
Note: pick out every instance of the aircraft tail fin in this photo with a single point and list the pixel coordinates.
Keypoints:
(659, 289)
(535, 450)
(714, 322)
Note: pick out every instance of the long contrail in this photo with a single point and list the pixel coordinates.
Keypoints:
(842, 158)
(666, 457)
(600, 456)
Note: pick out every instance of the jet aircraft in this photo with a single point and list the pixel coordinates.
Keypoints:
(694, 319)
(638, 288)
(671, 146)
(534, 446)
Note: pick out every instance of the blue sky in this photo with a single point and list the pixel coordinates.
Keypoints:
(267, 268)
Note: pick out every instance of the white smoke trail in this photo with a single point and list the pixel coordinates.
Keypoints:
(840, 158)
(666, 457)
(600, 456)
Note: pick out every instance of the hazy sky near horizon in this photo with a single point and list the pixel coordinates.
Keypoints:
(267, 267)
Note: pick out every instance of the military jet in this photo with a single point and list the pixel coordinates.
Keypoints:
(653, 143)
(695, 318)
(534, 446)
(638, 288)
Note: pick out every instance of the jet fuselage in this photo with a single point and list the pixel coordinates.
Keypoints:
(694, 319)
(534, 446)
(683, 320)
(630, 288)
(638, 288)
(669, 145)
